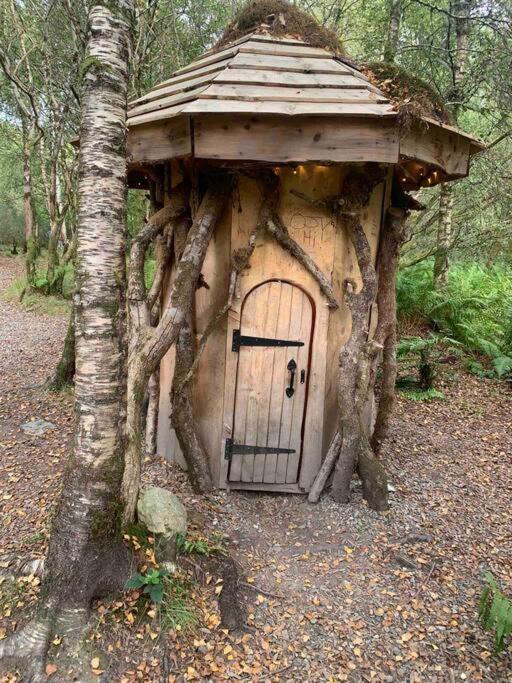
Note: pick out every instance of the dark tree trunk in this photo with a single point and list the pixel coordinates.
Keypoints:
(65, 370)
(385, 335)
(182, 417)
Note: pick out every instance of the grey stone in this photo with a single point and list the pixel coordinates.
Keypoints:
(37, 427)
(161, 511)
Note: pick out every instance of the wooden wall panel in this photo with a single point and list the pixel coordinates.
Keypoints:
(304, 139)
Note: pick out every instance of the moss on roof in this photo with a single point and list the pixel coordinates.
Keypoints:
(280, 18)
(411, 94)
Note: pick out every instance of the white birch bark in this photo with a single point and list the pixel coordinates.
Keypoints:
(85, 556)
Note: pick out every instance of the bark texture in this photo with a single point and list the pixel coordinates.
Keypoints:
(350, 450)
(392, 239)
(85, 556)
(455, 98)
(444, 236)
(149, 345)
(28, 210)
(65, 370)
(393, 35)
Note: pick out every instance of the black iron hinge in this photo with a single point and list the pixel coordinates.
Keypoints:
(243, 340)
(231, 449)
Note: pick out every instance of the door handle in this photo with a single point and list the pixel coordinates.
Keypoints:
(292, 366)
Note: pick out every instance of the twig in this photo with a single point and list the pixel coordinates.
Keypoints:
(426, 580)
(257, 589)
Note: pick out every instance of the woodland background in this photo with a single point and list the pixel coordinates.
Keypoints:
(462, 48)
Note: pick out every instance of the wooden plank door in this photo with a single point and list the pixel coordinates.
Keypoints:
(269, 412)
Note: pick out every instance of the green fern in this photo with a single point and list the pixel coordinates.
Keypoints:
(427, 395)
(495, 611)
(474, 309)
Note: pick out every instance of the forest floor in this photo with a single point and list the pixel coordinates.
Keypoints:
(332, 593)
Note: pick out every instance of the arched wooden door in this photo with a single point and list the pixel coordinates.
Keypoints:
(273, 344)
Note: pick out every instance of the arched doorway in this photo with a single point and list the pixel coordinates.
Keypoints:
(274, 347)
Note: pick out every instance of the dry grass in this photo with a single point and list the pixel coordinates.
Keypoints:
(413, 96)
(280, 18)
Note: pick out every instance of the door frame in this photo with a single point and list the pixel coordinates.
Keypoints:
(235, 317)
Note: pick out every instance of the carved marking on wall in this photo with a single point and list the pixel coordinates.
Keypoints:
(311, 231)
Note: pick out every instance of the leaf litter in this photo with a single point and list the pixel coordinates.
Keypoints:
(332, 593)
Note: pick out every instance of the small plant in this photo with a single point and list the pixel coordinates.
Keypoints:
(423, 395)
(171, 595)
(198, 545)
(152, 583)
(423, 355)
(495, 612)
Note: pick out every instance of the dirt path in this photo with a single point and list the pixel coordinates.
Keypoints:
(332, 593)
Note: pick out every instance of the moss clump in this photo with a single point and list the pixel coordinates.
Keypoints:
(413, 96)
(279, 18)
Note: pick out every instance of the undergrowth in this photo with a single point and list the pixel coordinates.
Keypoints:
(34, 301)
(474, 310)
(495, 612)
(191, 544)
(38, 300)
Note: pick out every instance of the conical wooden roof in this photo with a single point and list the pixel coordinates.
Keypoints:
(262, 74)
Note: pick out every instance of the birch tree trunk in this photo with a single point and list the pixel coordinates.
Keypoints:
(28, 210)
(86, 557)
(455, 100)
(444, 236)
(393, 35)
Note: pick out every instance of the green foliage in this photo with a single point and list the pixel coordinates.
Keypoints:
(171, 595)
(35, 301)
(422, 395)
(199, 545)
(152, 583)
(422, 354)
(495, 611)
(177, 608)
(474, 309)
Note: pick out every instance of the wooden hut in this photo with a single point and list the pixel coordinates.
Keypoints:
(264, 395)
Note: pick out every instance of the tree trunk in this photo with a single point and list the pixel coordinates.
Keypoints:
(86, 557)
(455, 100)
(65, 370)
(356, 357)
(53, 277)
(444, 236)
(151, 344)
(385, 334)
(152, 414)
(182, 417)
(28, 211)
(393, 35)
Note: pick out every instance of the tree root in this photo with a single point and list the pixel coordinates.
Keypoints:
(28, 648)
(326, 469)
